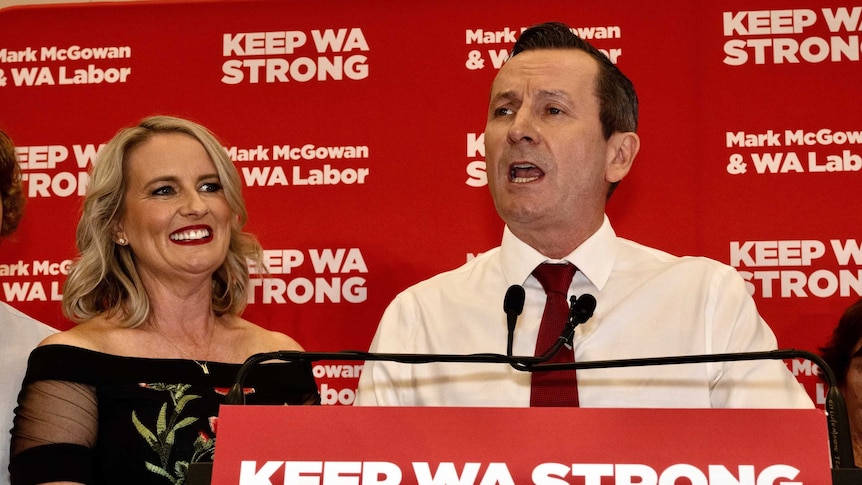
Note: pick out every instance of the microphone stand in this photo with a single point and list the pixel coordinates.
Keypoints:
(236, 396)
(580, 311)
(840, 444)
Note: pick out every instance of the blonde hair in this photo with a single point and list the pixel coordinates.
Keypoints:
(104, 278)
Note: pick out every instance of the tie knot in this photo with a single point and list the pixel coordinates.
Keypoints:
(555, 277)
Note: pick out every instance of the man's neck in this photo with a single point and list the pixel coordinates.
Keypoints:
(557, 242)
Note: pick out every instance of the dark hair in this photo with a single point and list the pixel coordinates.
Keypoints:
(839, 352)
(618, 101)
(10, 187)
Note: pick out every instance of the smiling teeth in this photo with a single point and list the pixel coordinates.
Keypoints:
(190, 235)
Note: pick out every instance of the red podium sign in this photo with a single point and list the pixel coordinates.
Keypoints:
(261, 445)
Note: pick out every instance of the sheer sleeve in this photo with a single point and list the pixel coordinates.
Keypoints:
(56, 422)
(52, 412)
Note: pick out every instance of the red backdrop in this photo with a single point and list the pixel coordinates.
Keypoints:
(357, 128)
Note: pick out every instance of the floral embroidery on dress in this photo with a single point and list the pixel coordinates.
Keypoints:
(161, 439)
(223, 391)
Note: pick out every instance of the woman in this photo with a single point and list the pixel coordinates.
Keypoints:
(844, 356)
(131, 393)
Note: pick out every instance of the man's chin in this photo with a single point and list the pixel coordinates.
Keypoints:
(522, 215)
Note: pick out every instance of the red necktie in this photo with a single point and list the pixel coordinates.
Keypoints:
(554, 388)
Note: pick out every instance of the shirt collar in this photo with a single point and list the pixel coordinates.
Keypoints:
(594, 258)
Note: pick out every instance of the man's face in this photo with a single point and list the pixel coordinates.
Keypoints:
(548, 163)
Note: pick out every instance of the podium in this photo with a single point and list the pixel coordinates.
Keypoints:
(259, 445)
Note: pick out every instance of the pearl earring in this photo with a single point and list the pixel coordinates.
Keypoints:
(121, 241)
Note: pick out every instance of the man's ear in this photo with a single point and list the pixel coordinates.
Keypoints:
(622, 149)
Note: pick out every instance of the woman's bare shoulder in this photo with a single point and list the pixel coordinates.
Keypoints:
(88, 335)
(264, 340)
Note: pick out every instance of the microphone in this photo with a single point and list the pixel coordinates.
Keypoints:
(513, 305)
(580, 310)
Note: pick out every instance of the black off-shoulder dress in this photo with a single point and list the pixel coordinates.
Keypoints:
(94, 418)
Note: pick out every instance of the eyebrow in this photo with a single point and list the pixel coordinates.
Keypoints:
(509, 95)
(544, 93)
(554, 94)
(175, 179)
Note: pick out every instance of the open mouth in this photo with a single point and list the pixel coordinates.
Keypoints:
(521, 173)
(189, 235)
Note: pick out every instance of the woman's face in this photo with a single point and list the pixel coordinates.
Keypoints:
(176, 218)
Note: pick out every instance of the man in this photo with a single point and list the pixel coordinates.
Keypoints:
(560, 135)
(20, 333)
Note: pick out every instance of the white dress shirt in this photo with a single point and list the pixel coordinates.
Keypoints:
(19, 334)
(649, 304)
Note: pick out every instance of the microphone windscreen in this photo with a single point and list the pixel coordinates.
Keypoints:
(513, 303)
(586, 305)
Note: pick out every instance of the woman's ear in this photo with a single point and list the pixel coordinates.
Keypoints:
(118, 235)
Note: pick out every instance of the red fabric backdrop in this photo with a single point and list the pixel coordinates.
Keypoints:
(749, 122)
